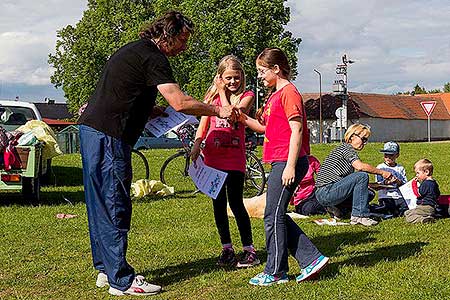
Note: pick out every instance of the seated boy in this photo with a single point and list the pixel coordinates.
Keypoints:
(428, 194)
(390, 199)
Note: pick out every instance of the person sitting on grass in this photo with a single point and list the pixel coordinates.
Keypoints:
(428, 194)
(391, 200)
(304, 199)
(337, 180)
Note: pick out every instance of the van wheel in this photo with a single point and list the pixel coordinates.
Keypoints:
(31, 189)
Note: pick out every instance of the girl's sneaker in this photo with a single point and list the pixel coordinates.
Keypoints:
(263, 279)
(313, 269)
(249, 260)
(227, 258)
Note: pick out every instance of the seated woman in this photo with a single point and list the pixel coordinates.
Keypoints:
(337, 180)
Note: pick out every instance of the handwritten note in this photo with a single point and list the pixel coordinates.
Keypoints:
(162, 125)
(207, 179)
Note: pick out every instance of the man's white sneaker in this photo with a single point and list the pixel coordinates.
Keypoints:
(363, 221)
(102, 280)
(139, 287)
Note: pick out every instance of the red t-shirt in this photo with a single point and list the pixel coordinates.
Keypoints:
(282, 106)
(225, 142)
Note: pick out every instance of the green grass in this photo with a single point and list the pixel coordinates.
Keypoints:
(173, 242)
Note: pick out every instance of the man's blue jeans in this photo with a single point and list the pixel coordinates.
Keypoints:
(355, 185)
(107, 180)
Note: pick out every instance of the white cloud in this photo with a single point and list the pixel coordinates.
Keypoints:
(28, 34)
(396, 44)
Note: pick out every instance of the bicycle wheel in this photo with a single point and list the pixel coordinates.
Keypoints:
(255, 177)
(174, 172)
(139, 166)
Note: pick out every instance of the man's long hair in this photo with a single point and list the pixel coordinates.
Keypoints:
(167, 27)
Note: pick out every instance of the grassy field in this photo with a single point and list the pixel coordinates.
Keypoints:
(173, 242)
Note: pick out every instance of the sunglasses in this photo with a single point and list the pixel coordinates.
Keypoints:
(363, 139)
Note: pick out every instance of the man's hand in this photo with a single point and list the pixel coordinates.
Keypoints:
(158, 111)
(195, 152)
(230, 112)
(242, 116)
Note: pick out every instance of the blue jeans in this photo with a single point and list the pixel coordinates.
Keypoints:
(282, 233)
(107, 180)
(355, 186)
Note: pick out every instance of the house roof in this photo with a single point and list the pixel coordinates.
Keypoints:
(53, 122)
(362, 105)
(445, 97)
(56, 111)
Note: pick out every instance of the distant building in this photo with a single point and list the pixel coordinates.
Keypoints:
(55, 115)
(391, 117)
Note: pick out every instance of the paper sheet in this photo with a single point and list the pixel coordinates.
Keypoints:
(207, 179)
(162, 125)
(408, 193)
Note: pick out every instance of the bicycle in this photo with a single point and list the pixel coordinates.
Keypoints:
(255, 176)
(139, 165)
(174, 171)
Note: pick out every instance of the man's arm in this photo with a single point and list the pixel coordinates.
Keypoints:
(186, 104)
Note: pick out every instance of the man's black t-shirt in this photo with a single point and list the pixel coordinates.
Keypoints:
(126, 92)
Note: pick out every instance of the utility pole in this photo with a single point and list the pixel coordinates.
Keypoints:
(320, 106)
(340, 88)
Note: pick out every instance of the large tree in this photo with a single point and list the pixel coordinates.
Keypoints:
(239, 27)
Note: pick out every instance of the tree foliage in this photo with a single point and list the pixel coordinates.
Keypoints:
(239, 27)
(419, 90)
(447, 87)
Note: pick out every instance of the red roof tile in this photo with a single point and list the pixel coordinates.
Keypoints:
(57, 122)
(362, 105)
(445, 97)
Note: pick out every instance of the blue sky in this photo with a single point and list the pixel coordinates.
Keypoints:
(395, 44)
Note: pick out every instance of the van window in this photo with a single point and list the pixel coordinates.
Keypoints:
(11, 117)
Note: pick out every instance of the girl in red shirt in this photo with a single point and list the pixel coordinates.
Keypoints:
(225, 150)
(286, 144)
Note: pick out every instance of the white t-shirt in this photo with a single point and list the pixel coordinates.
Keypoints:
(398, 171)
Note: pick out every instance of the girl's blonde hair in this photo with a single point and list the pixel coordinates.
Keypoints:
(424, 165)
(233, 63)
(357, 129)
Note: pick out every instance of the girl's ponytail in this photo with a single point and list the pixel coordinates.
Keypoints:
(260, 111)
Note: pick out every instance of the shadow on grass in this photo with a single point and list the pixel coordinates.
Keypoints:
(178, 196)
(47, 198)
(389, 253)
(173, 274)
(330, 244)
(66, 176)
(372, 257)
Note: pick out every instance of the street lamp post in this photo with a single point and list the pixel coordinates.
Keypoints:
(320, 106)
